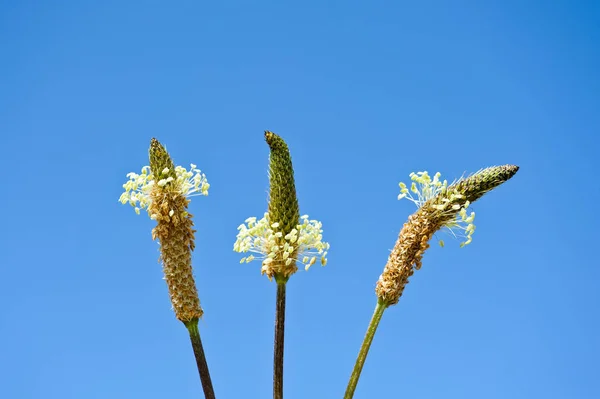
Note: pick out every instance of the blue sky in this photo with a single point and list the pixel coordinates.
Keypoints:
(364, 93)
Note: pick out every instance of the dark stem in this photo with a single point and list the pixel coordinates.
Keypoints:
(192, 327)
(278, 344)
(364, 349)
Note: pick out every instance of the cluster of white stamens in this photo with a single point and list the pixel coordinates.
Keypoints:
(187, 183)
(303, 244)
(425, 188)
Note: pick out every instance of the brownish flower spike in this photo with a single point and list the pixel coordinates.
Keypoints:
(174, 231)
(163, 190)
(434, 213)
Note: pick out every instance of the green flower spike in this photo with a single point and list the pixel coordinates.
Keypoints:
(281, 238)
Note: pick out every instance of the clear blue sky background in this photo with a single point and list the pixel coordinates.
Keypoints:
(364, 93)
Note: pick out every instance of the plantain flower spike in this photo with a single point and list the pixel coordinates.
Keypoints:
(440, 205)
(282, 237)
(164, 190)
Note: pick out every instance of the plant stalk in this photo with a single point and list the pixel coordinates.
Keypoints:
(192, 327)
(278, 343)
(364, 349)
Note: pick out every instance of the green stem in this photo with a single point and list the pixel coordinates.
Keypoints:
(364, 349)
(278, 343)
(192, 327)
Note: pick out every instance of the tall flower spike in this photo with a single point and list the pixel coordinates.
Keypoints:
(440, 206)
(164, 190)
(283, 204)
(281, 238)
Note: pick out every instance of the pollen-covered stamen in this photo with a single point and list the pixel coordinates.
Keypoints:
(447, 204)
(188, 183)
(423, 187)
(279, 253)
(192, 182)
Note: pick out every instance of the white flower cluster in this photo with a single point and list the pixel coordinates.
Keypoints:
(425, 188)
(187, 183)
(262, 238)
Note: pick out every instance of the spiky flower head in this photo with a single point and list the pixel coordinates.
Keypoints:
(281, 238)
(440, 205)
(164, 190)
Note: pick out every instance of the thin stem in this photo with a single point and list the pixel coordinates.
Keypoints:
(364, 349)
(192, 327)
(278, 344)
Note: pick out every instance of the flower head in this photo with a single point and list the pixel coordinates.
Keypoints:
(278, 252)
(281, 238)
(440, 205)
(164, 190)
